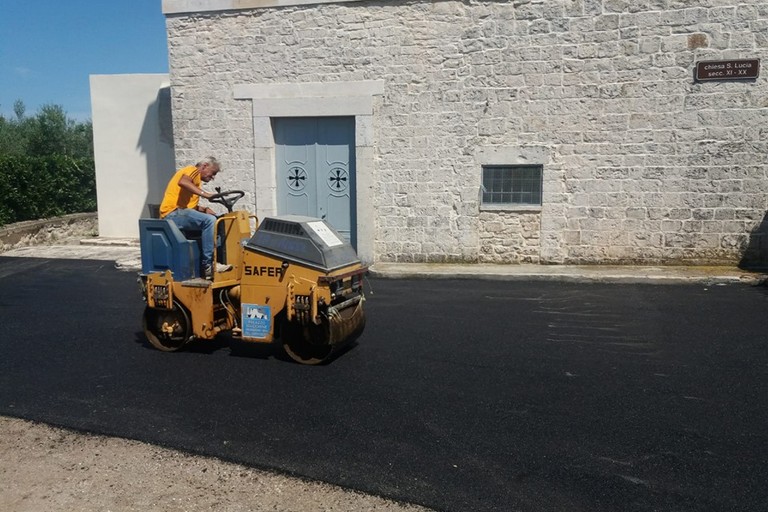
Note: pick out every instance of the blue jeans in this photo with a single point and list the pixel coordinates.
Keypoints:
(187, 218)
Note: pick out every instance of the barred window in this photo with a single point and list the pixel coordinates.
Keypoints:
(512, 185)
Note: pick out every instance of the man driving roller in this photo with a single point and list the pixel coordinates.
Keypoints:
(180, 204)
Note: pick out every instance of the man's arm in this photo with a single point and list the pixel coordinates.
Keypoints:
(186, 183)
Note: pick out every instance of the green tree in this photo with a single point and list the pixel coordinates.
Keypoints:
(19, 108)
(80, 140)
(48, 132)
(46, 165)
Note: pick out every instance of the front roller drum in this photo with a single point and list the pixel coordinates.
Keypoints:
(167, 329)
(315, 344)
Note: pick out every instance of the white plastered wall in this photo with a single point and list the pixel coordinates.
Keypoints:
(133, 148)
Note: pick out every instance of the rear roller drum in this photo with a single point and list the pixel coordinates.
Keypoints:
(167, 330)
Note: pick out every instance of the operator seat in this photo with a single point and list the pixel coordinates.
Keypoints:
(165, 247)
(164, 258)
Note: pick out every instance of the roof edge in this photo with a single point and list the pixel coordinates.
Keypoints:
(200, 6)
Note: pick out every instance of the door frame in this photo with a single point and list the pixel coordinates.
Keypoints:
(330, 99)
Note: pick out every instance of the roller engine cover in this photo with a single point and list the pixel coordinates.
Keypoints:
(304, 240)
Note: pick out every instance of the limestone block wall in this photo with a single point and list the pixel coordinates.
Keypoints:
(641, 163)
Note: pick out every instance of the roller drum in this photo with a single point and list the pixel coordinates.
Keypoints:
(347, 323)
(315, 344)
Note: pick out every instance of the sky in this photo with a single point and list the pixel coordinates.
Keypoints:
(49, 48)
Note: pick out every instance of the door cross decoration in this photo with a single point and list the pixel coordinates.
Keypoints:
(297, 178)
(337, 179)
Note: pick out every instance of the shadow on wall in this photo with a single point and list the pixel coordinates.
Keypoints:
(156, 143)
(755, 256)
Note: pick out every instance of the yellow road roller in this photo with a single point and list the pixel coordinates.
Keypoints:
(294, 281)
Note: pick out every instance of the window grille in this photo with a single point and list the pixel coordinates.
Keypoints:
(518, 185)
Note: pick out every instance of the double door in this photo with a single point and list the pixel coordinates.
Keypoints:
(316, 170)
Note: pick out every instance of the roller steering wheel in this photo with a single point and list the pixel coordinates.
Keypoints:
(227, 198)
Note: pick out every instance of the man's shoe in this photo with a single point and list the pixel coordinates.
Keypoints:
(208, 270)
(222, 268)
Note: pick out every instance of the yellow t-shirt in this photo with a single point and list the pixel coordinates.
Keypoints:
(177, 197)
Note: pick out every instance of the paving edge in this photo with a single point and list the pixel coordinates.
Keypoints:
(660, 275)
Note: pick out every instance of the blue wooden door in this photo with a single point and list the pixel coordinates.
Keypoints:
(316, 169)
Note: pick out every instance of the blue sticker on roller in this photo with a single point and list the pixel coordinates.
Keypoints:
(256, 320)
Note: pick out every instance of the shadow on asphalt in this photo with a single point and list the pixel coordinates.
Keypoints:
(239, 348)
(194, 346)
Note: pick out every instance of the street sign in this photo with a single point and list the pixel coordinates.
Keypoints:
(742, 69)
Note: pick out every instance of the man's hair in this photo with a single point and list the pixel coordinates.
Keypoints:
(209, 160)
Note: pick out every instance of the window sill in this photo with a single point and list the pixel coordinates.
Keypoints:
(518, 208)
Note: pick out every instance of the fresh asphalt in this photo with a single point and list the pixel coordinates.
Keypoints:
(461, 395)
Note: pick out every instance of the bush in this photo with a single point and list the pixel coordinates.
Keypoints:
(46, 165)
(40, 187)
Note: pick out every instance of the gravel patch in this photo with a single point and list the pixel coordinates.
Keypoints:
(57, 470)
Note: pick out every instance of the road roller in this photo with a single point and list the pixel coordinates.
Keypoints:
(294, 282)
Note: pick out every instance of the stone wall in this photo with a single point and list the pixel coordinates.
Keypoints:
(641, 163)
(67, 229)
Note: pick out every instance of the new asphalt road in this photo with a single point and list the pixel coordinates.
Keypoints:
(460, 395)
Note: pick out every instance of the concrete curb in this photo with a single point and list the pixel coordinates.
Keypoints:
(571, 273)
